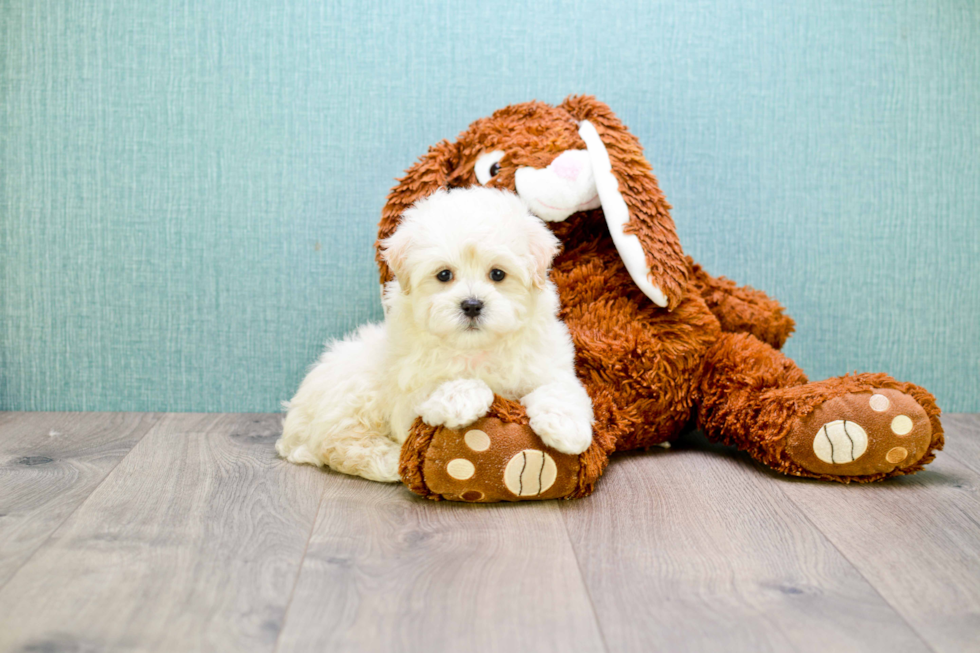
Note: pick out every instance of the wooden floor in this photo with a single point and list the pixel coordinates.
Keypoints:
(178, 532)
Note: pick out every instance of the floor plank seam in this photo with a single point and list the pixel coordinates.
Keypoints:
(64, 521)
(860, 573)
(299, 570)
(585, 586)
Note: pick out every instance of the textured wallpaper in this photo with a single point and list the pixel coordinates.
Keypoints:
(189, 190)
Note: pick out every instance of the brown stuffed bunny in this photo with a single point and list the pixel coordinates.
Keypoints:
(660, 343)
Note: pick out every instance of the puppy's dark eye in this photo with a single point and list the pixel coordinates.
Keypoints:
(497, 274)
(445, 276)
(495, 170)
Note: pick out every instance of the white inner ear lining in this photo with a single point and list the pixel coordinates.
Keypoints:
(617, 214)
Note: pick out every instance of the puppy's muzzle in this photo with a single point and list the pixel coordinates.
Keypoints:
(471, 307)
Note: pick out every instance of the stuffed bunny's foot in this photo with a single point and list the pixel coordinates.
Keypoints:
(861, 434)
(498, 457)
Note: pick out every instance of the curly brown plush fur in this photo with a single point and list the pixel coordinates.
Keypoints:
(711, 354)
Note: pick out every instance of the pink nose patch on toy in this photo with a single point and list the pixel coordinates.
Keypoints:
(567, 165)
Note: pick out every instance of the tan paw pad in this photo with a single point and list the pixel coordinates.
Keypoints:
(477, 440)
(840, 442)
(879, 403)
(896, 455)
(901, 425)
(460, 469)
(530, 473)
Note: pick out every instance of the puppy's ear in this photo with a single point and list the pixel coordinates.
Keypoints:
(635, 208)
(393, 253)
(543, 246)
(429, 174)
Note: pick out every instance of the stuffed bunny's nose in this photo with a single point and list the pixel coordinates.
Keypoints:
(568, 165)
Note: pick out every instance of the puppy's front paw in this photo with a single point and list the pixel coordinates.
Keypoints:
(457, 403)
(562, 425)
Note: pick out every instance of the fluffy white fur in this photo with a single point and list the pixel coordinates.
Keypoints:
(355, 407)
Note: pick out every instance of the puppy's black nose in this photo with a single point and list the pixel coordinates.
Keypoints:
(471, 307)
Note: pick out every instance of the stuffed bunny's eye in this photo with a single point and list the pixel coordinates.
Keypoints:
(488, 166)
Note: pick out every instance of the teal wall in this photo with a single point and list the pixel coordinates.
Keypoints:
(189, 190)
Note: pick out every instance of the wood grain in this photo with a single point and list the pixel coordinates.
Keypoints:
(386, 570)
(186, 533)
(963, 439)
(49, 464)
(191, 544)
(915, 538)
(694, 549)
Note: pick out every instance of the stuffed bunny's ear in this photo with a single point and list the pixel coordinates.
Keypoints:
(635, 209)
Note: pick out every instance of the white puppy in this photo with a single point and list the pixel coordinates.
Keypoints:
(471, 313)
